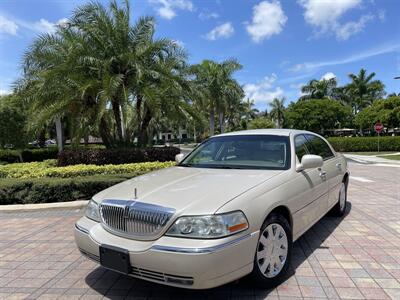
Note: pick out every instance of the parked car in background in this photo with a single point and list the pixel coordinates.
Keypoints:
(232, 207)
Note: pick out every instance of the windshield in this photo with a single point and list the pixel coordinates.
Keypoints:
(242, 152)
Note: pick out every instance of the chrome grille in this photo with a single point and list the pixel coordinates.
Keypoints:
(133, 218)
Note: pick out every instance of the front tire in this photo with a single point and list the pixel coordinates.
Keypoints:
(340, 208)
(273, 253)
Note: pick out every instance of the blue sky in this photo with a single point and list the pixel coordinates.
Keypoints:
(281, 44)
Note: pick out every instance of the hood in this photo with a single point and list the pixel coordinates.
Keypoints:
(189, 190)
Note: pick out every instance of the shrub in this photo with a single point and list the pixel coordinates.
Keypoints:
(49, 169)
(116, 156)
(28, 155)
(354, 144)
(45, 190)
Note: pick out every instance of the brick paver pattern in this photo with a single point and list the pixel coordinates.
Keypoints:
(356, 257)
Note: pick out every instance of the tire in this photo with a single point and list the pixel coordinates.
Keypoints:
(267, 271)
(340, 208)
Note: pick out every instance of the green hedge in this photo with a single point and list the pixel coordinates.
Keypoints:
(49, 169)
(28, 155)
(45, 190)
(365, 144)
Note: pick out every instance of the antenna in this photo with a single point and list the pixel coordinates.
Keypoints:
(135, 193)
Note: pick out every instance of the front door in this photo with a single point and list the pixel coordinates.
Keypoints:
(311, 201)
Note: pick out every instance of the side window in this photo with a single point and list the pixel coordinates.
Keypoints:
(319, 147)
(300, 145)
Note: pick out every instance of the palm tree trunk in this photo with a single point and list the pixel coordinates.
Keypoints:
(212, 121)
(104, 132)
(59, 133)
(116, 107)
(221, 121)
(143, 139)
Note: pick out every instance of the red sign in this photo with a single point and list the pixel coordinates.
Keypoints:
(378, 127)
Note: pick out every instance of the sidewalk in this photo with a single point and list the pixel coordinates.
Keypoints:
(372, 159)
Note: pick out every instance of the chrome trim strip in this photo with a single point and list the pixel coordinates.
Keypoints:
(82, 229)
(203, 250)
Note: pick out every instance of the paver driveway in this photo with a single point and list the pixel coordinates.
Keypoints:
(355, 257)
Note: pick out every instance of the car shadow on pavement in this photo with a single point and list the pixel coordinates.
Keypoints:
(116, 286)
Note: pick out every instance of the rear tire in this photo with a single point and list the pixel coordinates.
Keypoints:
(340, 208)
(273, 253)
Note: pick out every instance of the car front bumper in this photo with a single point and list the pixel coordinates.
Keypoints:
(180, 262)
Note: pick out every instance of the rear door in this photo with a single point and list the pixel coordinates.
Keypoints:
(312, 198)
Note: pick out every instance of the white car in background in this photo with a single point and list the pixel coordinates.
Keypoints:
(232, 207)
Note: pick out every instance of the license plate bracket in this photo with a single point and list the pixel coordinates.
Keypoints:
(115, 258)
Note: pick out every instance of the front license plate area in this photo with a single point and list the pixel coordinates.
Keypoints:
(114, 258)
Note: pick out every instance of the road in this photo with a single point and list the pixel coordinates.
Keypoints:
(356, 257)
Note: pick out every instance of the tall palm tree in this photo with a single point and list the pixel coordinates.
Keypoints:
(363, 91)
(278, 111)
(101, 61)
(218, 88)
(319, 89)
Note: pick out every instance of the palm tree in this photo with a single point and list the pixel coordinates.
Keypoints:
(99, 62)
(319, 89)
(217, 88)
(278, 111)
(363, 91)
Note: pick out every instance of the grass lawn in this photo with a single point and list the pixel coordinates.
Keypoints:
(371, 153)
(392, 157)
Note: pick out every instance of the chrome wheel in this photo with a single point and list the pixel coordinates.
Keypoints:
(272, 250)
(342, 197)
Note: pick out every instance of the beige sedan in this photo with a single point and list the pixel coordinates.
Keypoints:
(231, 207)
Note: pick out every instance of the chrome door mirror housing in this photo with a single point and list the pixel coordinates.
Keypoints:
(310, 161)
(179, 157)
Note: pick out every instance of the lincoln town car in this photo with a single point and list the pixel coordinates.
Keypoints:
(231, 207)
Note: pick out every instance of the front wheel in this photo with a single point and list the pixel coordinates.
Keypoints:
(340, 208)
(273, 253)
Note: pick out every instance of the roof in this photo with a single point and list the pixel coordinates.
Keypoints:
(281, 132)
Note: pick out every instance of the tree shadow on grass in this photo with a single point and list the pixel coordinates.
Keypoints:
(116, 286)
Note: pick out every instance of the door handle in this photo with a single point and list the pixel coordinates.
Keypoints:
(322, 174)
(339, 165)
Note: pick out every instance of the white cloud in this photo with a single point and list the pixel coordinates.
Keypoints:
(343, 32)
(264, 91)
(225, 31)
(205, 15)
(268, 19)
(167, 8)
(328, 76)
(179, 43)
(325, 16)
(389, 48)
(382, 15)
(4, 92)
(44, 26)
(8, 26)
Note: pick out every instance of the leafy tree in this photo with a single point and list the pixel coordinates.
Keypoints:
(277, 112)
(12, 122)
(261, 123)
(363, 91)
(317, 115)
(217, 89)
(319, 89)
(386, 111)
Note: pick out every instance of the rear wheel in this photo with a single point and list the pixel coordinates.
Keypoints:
(273, 253)
(340, 208)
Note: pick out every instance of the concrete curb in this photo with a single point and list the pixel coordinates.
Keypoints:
(43, 206)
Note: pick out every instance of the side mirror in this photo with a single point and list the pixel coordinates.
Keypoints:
(179, 157)
(310, 161)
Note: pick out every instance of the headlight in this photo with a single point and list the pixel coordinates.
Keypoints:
(92, 211)
(208, 227)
